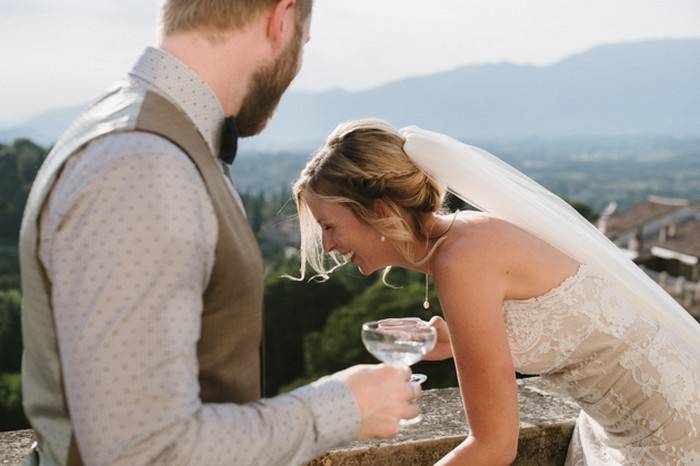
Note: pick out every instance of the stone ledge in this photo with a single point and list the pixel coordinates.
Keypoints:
(546, 423)
(15, 445)
(547, 420)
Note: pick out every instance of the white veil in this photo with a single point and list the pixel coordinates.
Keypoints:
(493, 186)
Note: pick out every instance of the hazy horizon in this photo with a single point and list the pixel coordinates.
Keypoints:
(64, 54)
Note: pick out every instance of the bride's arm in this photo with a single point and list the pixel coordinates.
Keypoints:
(471, 283)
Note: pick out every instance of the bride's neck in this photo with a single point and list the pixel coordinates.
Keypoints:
(436, 228)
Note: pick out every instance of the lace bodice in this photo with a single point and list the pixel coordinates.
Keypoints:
(635, 382)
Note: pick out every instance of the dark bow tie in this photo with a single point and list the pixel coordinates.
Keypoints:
(229, 140)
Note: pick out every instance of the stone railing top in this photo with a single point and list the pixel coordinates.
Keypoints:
(15, 445)
(546, 422)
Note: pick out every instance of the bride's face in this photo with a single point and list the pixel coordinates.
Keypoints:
(344, 233)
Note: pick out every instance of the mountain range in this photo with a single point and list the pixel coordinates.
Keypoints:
(629, 89)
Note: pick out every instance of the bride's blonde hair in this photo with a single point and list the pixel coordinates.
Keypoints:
(360, 162)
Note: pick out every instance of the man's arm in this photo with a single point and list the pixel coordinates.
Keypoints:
(132, 246)
(128, 241)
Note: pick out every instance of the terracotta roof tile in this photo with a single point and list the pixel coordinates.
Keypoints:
(642, 213)
(685, 241)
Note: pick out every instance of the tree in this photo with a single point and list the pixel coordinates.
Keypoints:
(19, 164)
(10, 331)
(292, 310)
(11, 413)
(585, 210)
(339, 344)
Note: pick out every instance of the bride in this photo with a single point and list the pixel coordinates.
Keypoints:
(526, 284)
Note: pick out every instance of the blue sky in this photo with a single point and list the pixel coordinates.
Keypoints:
(61, 53)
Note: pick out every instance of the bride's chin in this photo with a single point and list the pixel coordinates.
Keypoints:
(366, 272)
(362, 270)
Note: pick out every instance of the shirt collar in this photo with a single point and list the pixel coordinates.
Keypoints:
(184, 87)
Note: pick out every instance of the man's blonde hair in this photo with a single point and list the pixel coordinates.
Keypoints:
(220, 15)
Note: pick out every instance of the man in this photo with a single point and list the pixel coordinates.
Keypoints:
(142, 281)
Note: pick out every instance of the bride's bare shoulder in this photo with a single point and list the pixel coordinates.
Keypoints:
(478, 235)
(481, 230)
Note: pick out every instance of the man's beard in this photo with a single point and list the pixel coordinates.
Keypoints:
(267, 85)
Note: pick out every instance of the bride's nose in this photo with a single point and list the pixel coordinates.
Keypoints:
(328, 243)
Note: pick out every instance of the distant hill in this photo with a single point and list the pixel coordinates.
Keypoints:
(625, 89)
(43, 128)
(640, 88)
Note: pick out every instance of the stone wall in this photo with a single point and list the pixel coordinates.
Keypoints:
(546, 423)
(14, 445)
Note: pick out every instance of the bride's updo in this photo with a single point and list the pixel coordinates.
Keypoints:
(360, 162)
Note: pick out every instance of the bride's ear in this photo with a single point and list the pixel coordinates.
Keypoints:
(379, 208)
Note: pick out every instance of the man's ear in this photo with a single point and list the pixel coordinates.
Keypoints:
(281, 22)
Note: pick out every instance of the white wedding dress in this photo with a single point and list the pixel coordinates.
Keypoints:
(638, 386)
(609, 335)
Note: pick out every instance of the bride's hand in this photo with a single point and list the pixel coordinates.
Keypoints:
(443, 347)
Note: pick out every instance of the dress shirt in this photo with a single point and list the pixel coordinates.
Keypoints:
(127, 238)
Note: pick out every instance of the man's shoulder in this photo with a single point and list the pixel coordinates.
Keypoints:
(126, 143)
(136, 152)
(126, 147)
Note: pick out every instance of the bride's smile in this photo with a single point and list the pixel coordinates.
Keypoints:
(342, 232)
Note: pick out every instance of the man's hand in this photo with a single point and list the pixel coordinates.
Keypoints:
(443, 347)
(384, 394)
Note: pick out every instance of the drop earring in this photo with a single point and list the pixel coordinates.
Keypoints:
(382, 238)
(426, 303)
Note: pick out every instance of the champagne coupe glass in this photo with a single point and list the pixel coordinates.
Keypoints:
(403, 340)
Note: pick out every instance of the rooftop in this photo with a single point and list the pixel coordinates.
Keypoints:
(647, 211)
(686, 240)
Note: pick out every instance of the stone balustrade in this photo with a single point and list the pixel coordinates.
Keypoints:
(546, 423)
(686, 292)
